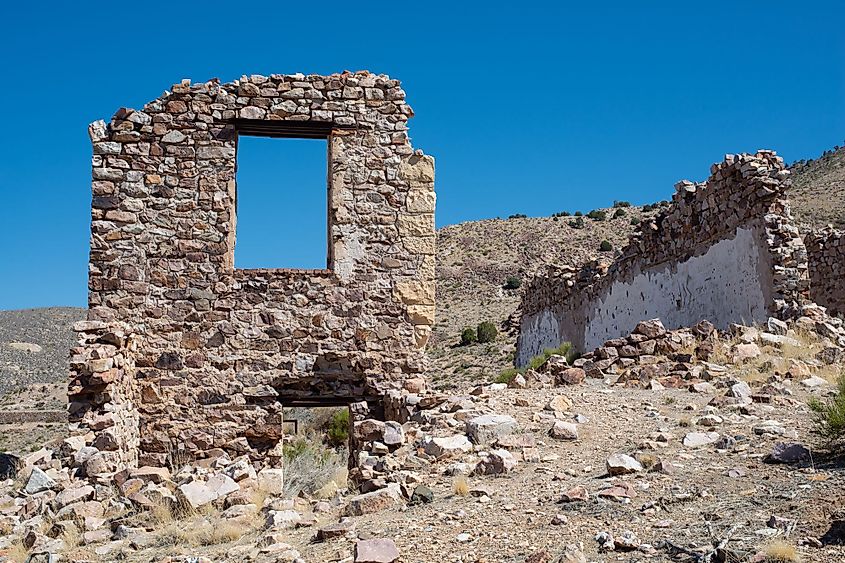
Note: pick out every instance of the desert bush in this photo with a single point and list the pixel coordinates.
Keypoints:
(486, 332)
(512, 282)
(621, 203)
(337, 429)
(605, 246)
(577, 223)
(597, 215)
(565, 350)
(562, 214)
(460, 486)
(635, 220)
(620, 212)
(578, 214)
(829, 415)
(309, 464)
(468, 337)
(518, 216)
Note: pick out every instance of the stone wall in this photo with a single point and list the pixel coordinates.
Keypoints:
(217, 350)
(826, 251)
(723, 251)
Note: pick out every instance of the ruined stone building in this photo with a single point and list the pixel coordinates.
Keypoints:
(724, 251)
(826, 250)
(181, 349)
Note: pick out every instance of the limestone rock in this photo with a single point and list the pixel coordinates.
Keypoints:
(376, 551)
(38, 482)
(441, 447)
(564, 431)
(375, 501)
(271, 480)
(699, 439)
(622, 464)
(487, 428)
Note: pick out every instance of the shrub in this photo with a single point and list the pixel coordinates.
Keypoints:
(517, 216)
(830, 415)
(635, 220)
(597, 215)
(562, 214)
(486, 332)
(620, 212)
(565, 349)
(309, 465)
(621, 203)
(577, 223)
(512, 282)
(605, 246)
(507, 375)
(337, 433)
(578, 213)
(468, 337)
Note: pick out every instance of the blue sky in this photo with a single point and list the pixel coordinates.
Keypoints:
(528, 107)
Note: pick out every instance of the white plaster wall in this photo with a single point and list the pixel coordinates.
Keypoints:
(730, 282)
(537, 333)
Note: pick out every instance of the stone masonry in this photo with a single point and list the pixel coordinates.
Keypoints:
(724, 251)
(826, 251)
(182, 352)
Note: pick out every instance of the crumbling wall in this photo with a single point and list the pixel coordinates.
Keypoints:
(826, 252)
(216, 351)
(724, 251)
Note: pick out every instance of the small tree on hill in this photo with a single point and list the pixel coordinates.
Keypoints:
(486, 332)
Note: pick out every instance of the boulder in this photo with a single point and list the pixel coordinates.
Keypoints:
(489, 427)
(559, 403)
(271, 480)
(699, 439)
(496, 462)
(622, 464)
(650, 329)
(375, 501)
(197, 493)
(377, 550)
(564, 431)
(441, 447)
(38, 482)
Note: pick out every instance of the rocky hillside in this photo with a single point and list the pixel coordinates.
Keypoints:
(34, 344)
(818, 192)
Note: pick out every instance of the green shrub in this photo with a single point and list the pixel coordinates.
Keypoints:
(506, 375)
(565, 349)
(829, 415)
(468, 337)
(486, 332)
(621, 203)
(597, 215)
(337, 433)
(577, 223)
(620, 212)
(517, 216)
(578, 213)
(635, 220)
(605, 246)
(512, 282)
(562, 214)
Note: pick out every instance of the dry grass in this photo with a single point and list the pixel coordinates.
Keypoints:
(460, 486)
(781, 552)
(16, 552)
(205, 530)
